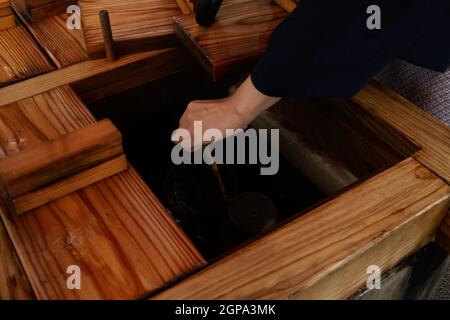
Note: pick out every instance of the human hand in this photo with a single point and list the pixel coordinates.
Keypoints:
(234, 112)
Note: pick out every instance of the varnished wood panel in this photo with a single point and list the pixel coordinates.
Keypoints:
(7, 19)
(61, 188)
(137, 25)
(68, 154)
(20, 57)
(234, 42)
(65, 47)
(334, 142)
(426, 132)
(51, 169)
(42, 9)
(387, 218)
(157, 64)
(7, 22)
(387, 253)
(125, 77)
(5, 11)
(13, 281)
(116, 230)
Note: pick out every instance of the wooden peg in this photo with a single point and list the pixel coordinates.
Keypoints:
(107, 35)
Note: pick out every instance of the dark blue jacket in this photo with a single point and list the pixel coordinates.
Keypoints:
(324, 47)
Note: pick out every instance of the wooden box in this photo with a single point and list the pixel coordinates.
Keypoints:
(381, 163)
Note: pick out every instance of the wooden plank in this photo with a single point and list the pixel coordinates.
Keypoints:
(116, 230)
(7, 22)
(137, 25)
(287, 5)
(20, 57)
(13, 281)
(165, 62)
(51, 160)
(18, 5)
(42, 9)
(235, 41)
(64, 187)
(418, 126)
(385, 218)
(387, 253)
(53, 168)
(312, 131)
(443, 235)
(7, 18)
(132, 75)
(37, 3)
(6, 11)
(64, 47)
(4, 4)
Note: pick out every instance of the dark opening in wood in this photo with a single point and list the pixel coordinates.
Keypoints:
(326, 145)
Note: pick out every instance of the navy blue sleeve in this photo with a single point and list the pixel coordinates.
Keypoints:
(324, 47)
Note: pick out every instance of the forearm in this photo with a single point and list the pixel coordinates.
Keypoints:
(247, 102)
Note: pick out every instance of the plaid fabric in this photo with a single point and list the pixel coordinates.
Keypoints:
(427, 89)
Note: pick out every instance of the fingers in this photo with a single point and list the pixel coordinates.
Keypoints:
(203, 116)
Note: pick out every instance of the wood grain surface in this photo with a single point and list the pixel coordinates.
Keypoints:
(334, 142)
(378, 222)
(5, 11)
(20, 56)
(137, 25)
(13, 281)
(157, 64)
(63, 187)
(52, 169)
(235, 41)
(7, 22)
(423, 130)
(42, 9)
(64, 47)
(49, 161)
(7, 19)
(136, 73)
(116, 230)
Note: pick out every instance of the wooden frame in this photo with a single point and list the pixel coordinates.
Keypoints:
(148, 66)
(403, 205)
(116, 230)
(325, 253)
(322, 254)
(58, 167)
(226, 47)
(20, 56)
(41, 9)
(63, 46)
(136, 25)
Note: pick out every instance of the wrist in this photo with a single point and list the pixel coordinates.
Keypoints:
(247, 102)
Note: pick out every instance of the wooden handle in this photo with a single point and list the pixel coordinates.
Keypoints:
(107, 35)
